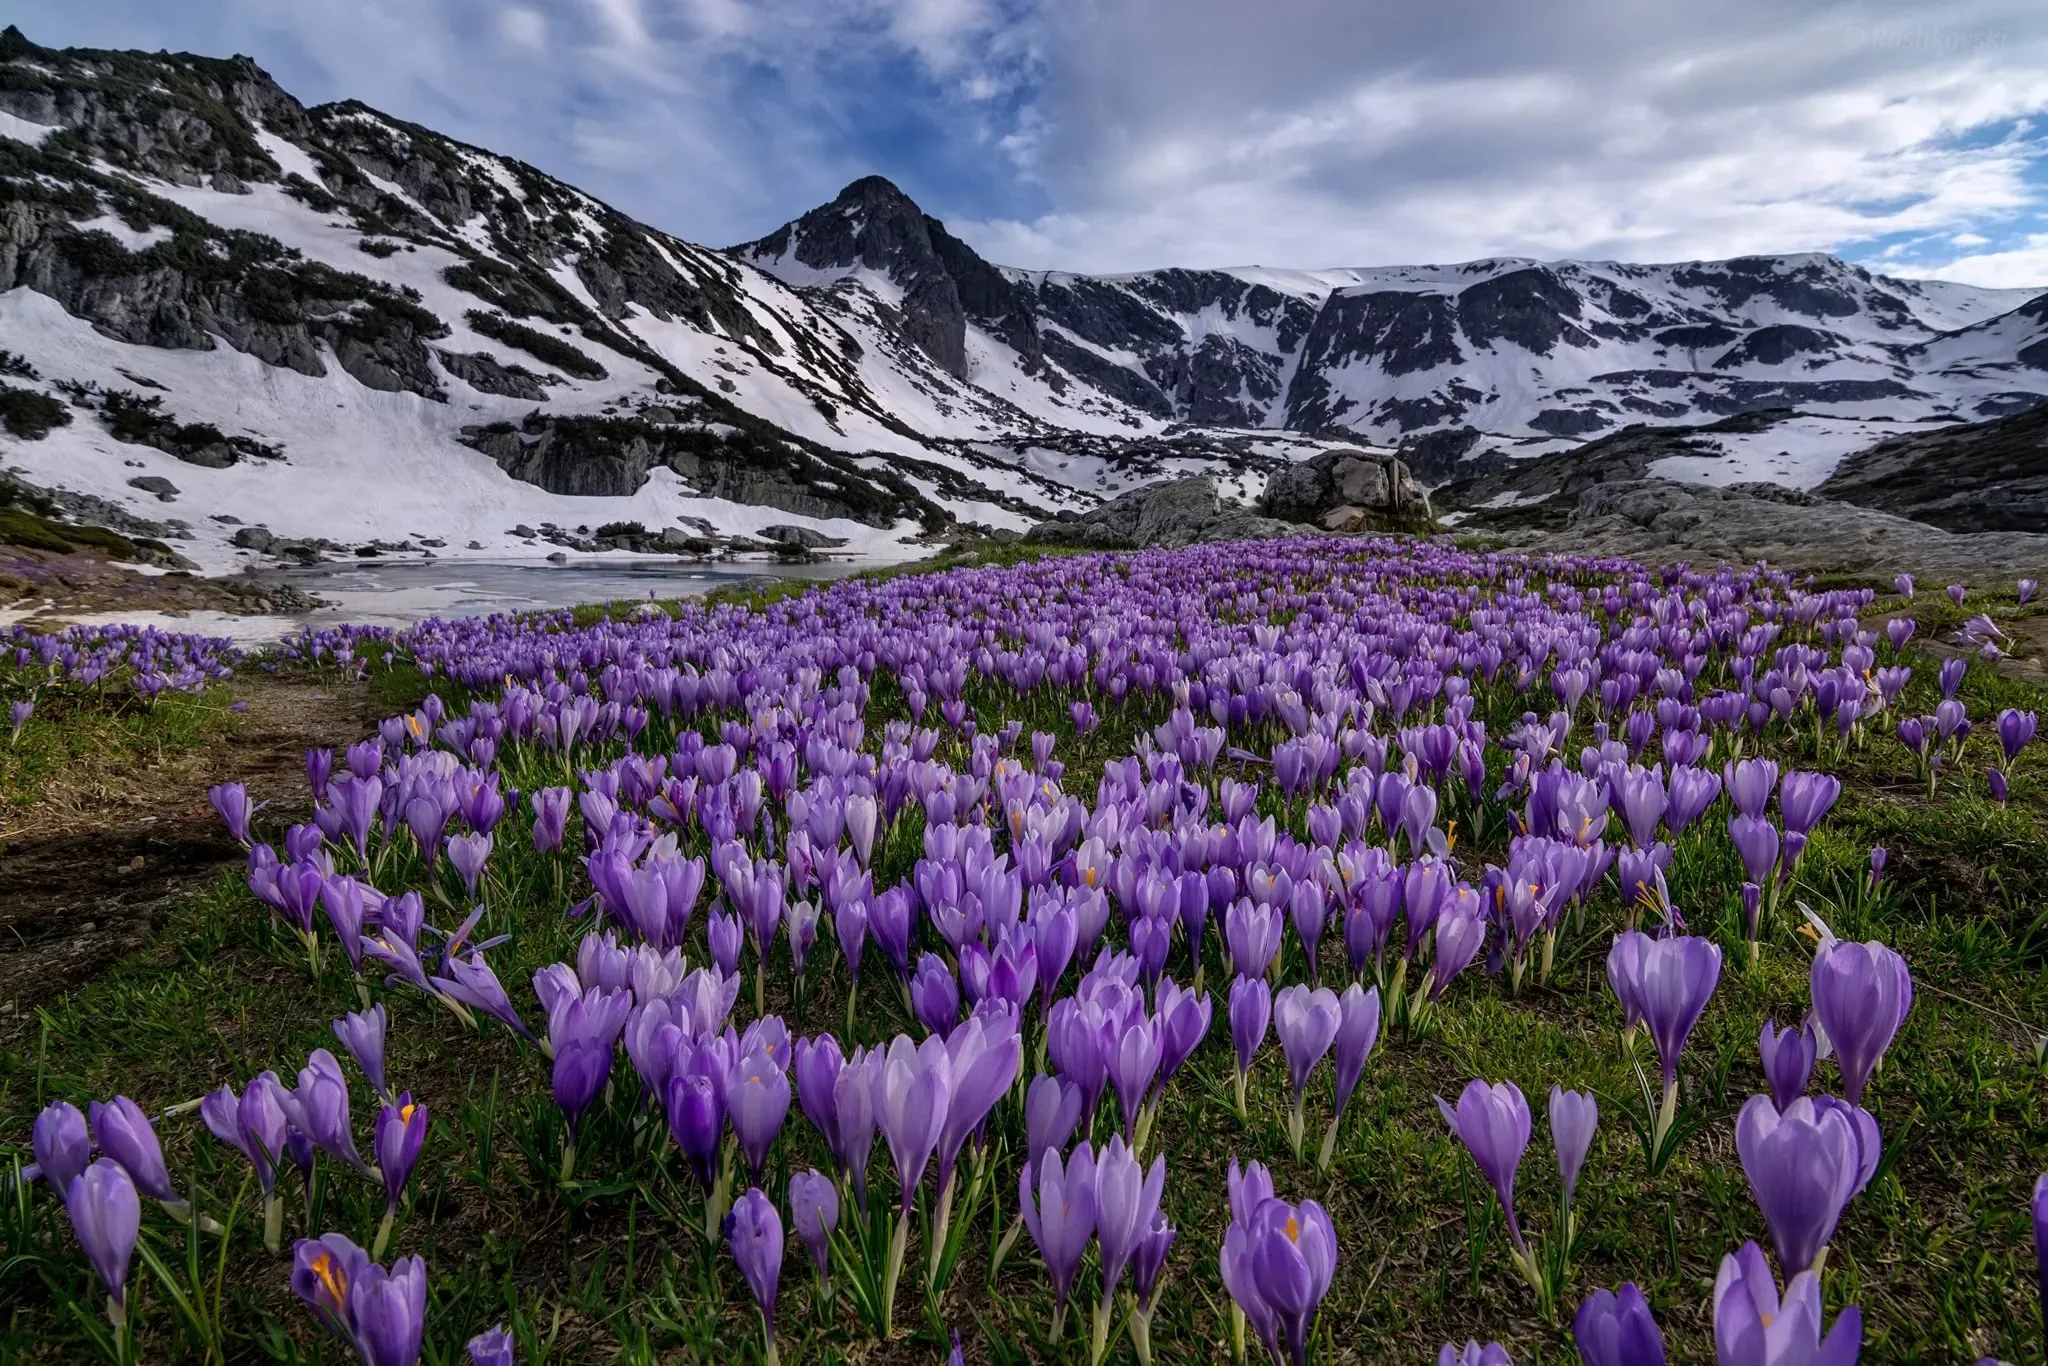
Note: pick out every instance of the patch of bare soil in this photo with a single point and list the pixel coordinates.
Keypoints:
(43, 583)
(85, 874)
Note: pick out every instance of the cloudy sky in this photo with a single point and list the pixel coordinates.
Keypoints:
(1109, 135)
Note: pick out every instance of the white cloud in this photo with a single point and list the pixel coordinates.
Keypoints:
(1120, 134)
(526, 27)
(2022, 264)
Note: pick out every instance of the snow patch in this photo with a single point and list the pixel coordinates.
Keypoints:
(21, 130)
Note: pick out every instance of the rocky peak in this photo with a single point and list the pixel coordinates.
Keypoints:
(872, 225)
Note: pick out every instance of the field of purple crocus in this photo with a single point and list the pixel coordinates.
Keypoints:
(1320, 950)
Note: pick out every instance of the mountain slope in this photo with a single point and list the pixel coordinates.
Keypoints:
(1978, 476)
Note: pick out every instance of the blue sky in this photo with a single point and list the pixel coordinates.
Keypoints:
(1107, 135)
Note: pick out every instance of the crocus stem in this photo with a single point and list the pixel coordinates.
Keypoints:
(899, 1244)
(1236, 1333)
(568, 1161)
(117, 1315)
(383, 1239)
(773, 1357)
(1667, 1115)
(1141, 1336)
(938, 1235)
(1238, 1083)
(1328, 1152)
(273, 1222)
(761, 985)
(1295, 1121)
(1098, 1333)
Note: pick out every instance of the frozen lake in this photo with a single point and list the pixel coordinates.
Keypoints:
(400, 593)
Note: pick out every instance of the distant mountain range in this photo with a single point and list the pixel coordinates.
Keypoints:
(327, 329)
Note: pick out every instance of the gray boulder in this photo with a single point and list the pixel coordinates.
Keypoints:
(255, 538)
(1346, 490)
(163, 488)
(802, 537)
(1656, 520)
(1177, 512)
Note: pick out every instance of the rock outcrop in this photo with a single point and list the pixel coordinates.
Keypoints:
(1175, 513)
(1346, 490)
(1657, 521)
(1976, 476)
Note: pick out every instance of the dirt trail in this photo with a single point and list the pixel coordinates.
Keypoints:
(85, 873)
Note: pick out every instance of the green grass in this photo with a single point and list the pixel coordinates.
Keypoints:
(1937, 1251)
(107, 731)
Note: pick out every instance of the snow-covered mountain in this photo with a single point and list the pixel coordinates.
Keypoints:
(327, 324)
(1517, 356)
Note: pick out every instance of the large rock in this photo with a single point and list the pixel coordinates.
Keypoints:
(1658, 521)
(1175, 513)
(1346, 490)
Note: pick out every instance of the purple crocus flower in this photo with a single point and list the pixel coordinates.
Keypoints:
(1060, 1215)
(1306, 1021)
(935, 995)
(814, 1214)
(494, 1347)
(550, 818)
(1749, 784)
(400, 1134)
(1861, 993)
(756, 1103)
(1251, 1009)
(1293, 1261)
(1787, 1057)
(1803, 1167)
(1676, 979)
(1127, 1198)
(584, 1033)
(390, 1312)
(320, 1108)
(362, 1035)
(1753, 1327)
(18, 714)
(982, 1060)
(124, 1134)
(1184, 1019)
(62, 1145)
(1132, 1061)
(230, 802)
(106, 1217)
(470, 982)
(754, 1232)
(1358, 1030)
(1052, 1107)
(469, 853)
(816, 1064)
(1473, 1353)
(2015, 731)
(1492, 1121)
(2040, 1213)
(324, 1273)
(725, 936)
(1616, 1328)
(1805, 799)
(913, 1088)
(1574, 1115)
(1756, 842)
